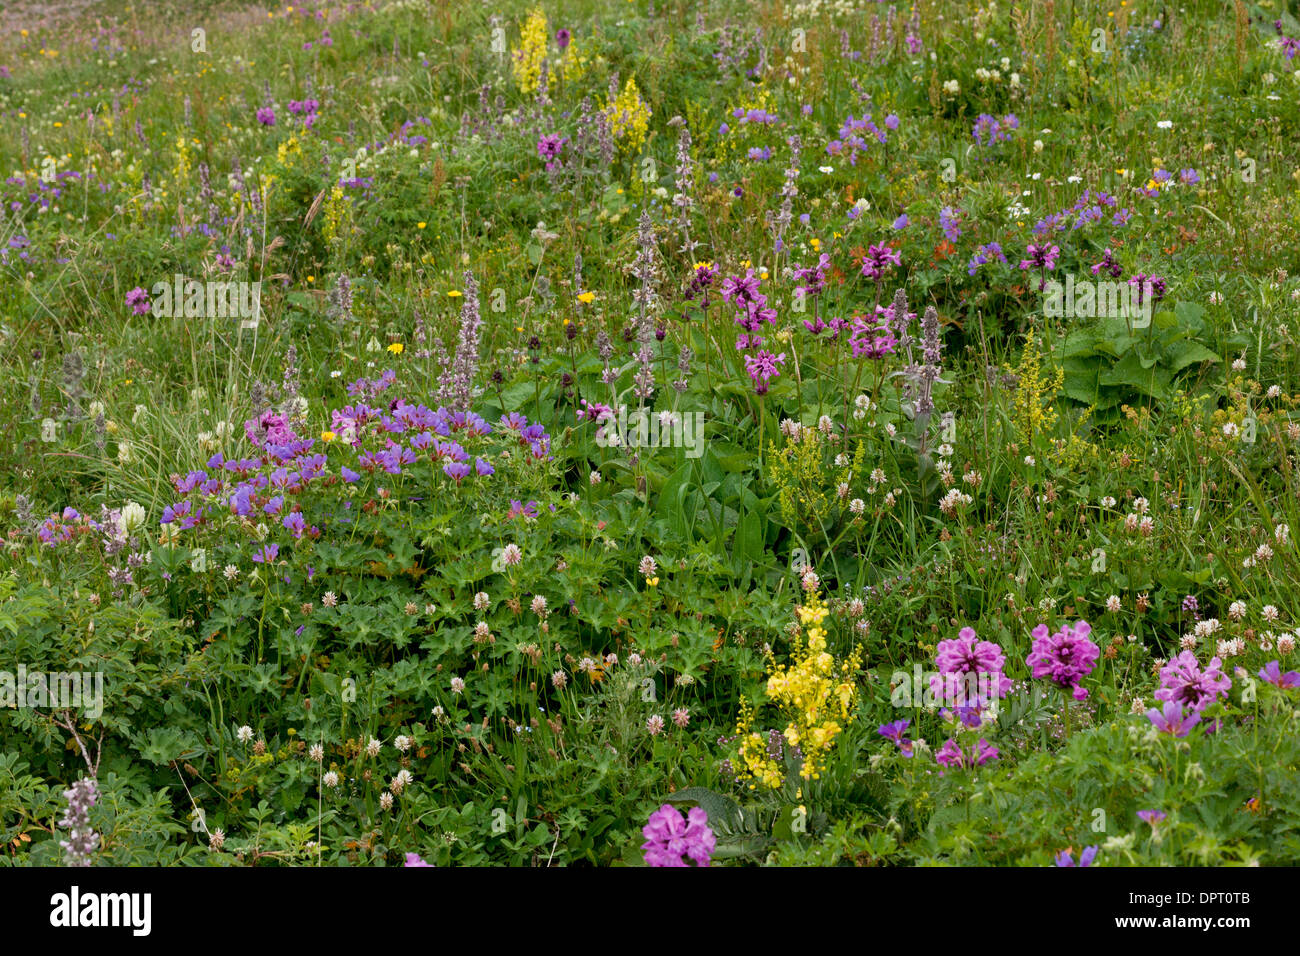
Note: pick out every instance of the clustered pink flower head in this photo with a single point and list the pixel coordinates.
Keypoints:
(414, 859)
(1065, 657)
(967, 654)
(669, 836)
(1183, 682)
(269, 429)
(950, 755)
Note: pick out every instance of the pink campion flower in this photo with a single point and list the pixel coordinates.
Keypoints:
(1065, 657)
(1182, 681)
(138, 301)
(669, 837)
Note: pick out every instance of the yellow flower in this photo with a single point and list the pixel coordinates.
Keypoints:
(587, 297)
(396, 348)
(454, 294)
(651, 582)
(327, 436)
(420, 225)
(526, 59)
(629, 117)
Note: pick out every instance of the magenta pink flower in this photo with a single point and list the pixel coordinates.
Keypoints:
(414, 859)
(967, 654)
(762, 368)
(951, 755)
(1182, 681)
(669, 837)
(1065, 657)
(138, 301)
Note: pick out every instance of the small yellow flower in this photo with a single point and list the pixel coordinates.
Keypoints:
(651, 582)
(455, 294)
(420, 225)
(327, 436)
(587, 297)
(396, 348)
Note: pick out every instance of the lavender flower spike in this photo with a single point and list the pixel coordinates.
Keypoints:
(82, 841)
(465, 365)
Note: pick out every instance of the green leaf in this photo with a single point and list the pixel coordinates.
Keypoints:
(1183, 354)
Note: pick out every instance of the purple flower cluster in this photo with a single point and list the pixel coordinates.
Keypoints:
(1182, 681)
(82, 841)
(985, 254)
(549, 148)
(879, 258)
(1064, 658)
(670, 837)
(967, 654)
(752, 311)
(1087, 208)
(952, 756)
(874, 338)
(137, 301)
(989, 129)
(1155, 285)
(269, 483)
(851, 141)
(308, 109)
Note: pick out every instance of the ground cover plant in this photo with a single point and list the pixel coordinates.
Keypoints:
(630, 433)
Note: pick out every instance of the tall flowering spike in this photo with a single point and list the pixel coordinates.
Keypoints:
(645, 298)
(465, 364)
(685, 186)
(82, 841)
(788, 191)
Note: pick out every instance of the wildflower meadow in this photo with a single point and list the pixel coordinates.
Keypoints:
(591, 433)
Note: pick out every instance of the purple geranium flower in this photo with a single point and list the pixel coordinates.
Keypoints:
(1172, 720)
(1272, 673)
(895, 733)
(1085, 858)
